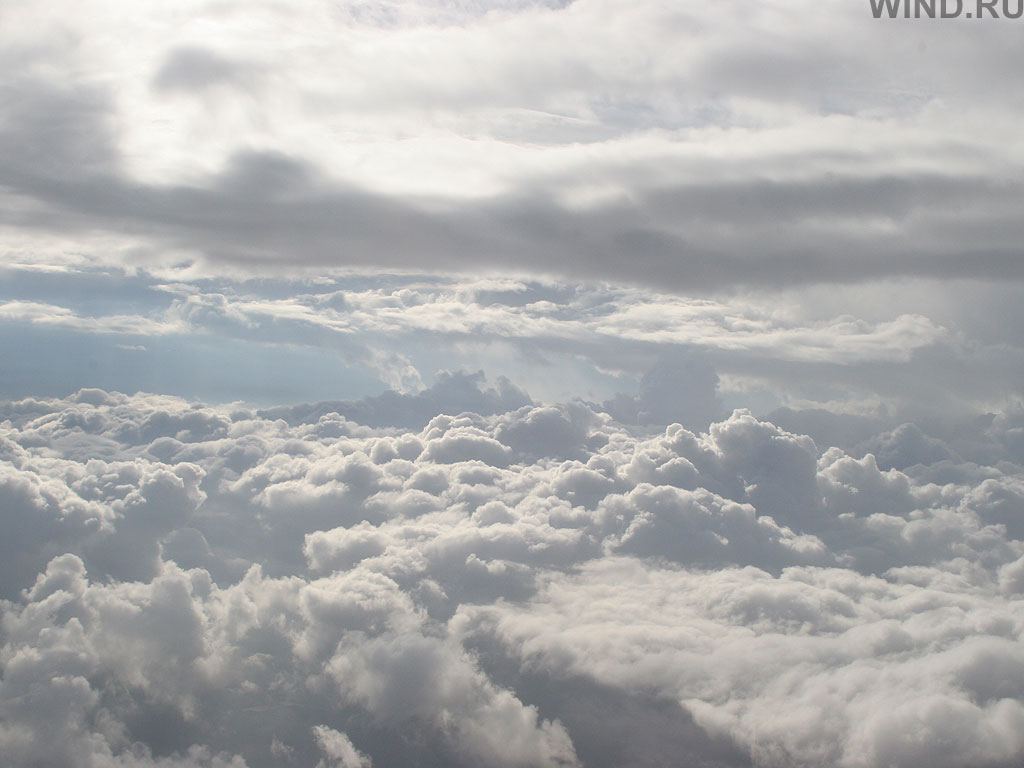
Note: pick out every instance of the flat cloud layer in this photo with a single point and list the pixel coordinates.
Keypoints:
(541, 586)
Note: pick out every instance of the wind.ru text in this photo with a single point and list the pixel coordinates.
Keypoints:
(947, 9)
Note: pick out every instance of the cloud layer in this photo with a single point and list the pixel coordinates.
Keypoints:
(200, 586)
(693, 149)
(908, 352)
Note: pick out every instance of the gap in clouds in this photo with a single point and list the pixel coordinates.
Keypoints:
(281, 342)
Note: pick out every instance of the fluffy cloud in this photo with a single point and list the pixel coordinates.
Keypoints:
(816, 667)
(228, 589)
(338, 749)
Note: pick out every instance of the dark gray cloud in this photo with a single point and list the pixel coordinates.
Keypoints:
(270, 212)
(192, 69)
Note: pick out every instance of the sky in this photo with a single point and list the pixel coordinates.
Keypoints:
(510, 383)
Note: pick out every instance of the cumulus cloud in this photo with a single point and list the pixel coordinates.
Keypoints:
(338, 750)
(817, 667)
(226, 588)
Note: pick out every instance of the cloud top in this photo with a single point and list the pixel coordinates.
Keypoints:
(435, 595)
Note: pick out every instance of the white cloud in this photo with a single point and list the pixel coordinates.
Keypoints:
(430, 593)
(339, 750)
(62, 317)
(816, 667)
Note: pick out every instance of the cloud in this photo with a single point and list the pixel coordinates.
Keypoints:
(50, 315)
(113, 513)
(586, 157)
(191, 68)
(628, 348)
(406, 677)
(338, 749)
(741, 485)
(224, 582)
(816, 667)
(452, 393)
